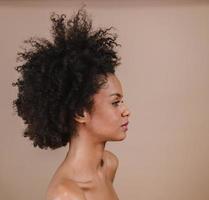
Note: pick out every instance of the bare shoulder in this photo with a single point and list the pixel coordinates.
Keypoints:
(65, 190)
(111, 162)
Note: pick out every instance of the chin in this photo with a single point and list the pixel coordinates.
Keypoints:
(124, 137)
(120, 136)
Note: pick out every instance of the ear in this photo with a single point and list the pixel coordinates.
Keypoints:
(82, 117)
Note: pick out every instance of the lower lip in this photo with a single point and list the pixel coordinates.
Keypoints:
(125, 127)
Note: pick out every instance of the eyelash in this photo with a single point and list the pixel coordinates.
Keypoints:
(117, 102)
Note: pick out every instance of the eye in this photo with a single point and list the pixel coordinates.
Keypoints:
(116, 103)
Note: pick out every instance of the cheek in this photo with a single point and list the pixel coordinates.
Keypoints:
(106, 120)
(109, 115)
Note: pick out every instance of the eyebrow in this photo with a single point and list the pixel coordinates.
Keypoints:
(117, 94)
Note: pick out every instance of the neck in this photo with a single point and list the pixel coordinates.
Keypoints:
(84, 156)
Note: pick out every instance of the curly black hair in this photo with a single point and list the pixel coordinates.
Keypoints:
(58, 79)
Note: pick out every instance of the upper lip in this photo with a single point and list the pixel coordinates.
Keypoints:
(125, 124)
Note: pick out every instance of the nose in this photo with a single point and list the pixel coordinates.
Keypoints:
(126, 111)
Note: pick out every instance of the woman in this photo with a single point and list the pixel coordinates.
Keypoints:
(69, 94)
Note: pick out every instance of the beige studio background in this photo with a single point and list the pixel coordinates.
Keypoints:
(165, 75)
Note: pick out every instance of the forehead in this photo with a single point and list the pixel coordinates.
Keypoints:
(112, 86)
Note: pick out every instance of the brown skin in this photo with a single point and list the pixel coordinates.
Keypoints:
(88, 171)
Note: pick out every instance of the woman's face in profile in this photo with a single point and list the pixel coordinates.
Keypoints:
(109, 114)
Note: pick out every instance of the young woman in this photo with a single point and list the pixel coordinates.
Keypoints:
(69, 94)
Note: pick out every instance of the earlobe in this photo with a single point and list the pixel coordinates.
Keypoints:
(81, 117)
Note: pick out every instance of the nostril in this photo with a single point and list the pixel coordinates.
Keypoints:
(126, 113)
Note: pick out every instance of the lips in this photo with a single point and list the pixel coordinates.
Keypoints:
(125, 124)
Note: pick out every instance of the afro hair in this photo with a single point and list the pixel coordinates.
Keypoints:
(58, 78)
